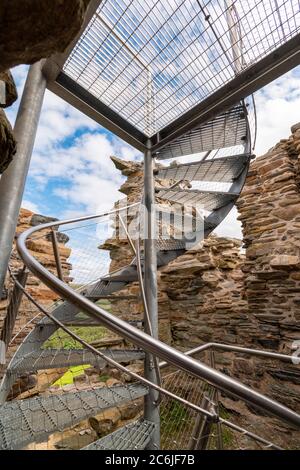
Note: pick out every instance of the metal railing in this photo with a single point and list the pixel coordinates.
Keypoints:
(194, 423)
(155, 347)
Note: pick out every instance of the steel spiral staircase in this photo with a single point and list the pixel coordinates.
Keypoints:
(32, 420)
(219, 126)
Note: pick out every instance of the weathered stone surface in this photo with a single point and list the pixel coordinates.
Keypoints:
(41, 249)
(217, 293)
(10, 90)
(8, 144)
(105, 422)
(34, 29)
(289, 261)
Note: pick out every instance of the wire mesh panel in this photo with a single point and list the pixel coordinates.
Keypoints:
(153, 60)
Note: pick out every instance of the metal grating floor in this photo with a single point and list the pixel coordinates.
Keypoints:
(134, 436)
(220, 169)
(206, 200)
(52, 359)
(32, 420)
(151, 61)
(227, 130)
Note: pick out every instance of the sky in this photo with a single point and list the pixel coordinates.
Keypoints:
(71, 173)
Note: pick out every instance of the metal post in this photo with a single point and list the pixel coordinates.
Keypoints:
(151, 408)
(58, 264)
(12, 312)
(12, 182)
(215, 398)
(235, 38)
(202, 428)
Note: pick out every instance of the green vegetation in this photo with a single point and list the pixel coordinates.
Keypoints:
(172, 414)
(62, 340)
(104, 378)
(105, 304)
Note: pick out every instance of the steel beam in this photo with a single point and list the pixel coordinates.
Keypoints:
(12, 182)
(74, 94)
(151, 408)
(280, 61)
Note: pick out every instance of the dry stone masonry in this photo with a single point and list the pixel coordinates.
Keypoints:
(242, 295)
(31, 30)
(41, 249)
(8, 144)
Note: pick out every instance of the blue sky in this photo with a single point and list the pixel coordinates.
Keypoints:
(71, 172)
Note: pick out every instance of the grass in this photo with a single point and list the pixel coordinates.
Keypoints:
(62, 340)
(104, 378)
(227, 435)
(172, 414)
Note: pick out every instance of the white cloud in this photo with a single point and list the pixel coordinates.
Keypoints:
(83, 173)
(31, 206)
(278, 108)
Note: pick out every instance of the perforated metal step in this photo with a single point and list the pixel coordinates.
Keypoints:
(208, 200)
(225, 169)
(56, 358)
(104, 288)
(226, 130)
(134, 436)
(27, 421)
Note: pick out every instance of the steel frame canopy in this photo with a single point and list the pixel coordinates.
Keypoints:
(159, 68)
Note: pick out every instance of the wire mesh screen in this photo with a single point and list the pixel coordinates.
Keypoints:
(177, 420)
(153, 60)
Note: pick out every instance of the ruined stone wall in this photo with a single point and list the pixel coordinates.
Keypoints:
(41, 249)
(269, 209)
(220, 293)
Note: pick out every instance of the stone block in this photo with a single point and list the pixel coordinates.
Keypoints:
(34, 29)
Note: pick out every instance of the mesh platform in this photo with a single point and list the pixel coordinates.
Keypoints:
(220, 169)
(52, 359)
(26, 421)
(207, 200)
(151, 61)
(134, 436)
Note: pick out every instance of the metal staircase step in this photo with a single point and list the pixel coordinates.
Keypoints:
(87, 322)
(226, 130)
(59, 358)
(225, 169)
(208, 200)
(27, 421)
(104, 288)
(134, 436)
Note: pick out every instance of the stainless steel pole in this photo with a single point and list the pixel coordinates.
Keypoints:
(151, 408)
(12, 182)
(235, 39)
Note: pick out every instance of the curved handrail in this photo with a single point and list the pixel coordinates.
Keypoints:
(240, 349)
(144, 341)
(209, 414)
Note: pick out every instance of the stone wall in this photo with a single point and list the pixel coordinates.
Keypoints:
(49, 28)
(220, 293)
(42, 250)
(269, 209)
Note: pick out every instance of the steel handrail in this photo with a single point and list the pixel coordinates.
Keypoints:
(143, 380)
(240, 349)
(144, 341)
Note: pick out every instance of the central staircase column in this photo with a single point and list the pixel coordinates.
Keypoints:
(151, 409)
